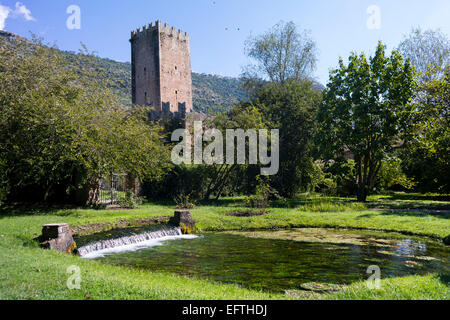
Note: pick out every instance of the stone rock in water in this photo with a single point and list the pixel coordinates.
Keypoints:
(184, 220)
(57, 236)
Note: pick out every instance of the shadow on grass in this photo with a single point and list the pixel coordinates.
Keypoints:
(296, 203)
(285, 203)
(223, 202)
(419, 197)
(410, 201)
(37, 210)
(409, 213)
(165, 203)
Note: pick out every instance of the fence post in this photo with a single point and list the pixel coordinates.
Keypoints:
(112, 186)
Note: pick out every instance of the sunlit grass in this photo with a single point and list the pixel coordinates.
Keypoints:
(430, 287)
(29, 272)
(332, 207)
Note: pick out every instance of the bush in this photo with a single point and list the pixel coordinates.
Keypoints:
(264, 192)
(130, 201)
(333, 177)
(256, 201)
(324, 206)
(321, 180)
(392, 176)
(184, 201)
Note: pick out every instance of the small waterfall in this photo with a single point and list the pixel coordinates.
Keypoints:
(132, 243)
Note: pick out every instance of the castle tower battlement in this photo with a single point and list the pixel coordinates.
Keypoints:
(161, 69)
(163, 28)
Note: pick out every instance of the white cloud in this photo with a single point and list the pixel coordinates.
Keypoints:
(4, 13)
(22, 10)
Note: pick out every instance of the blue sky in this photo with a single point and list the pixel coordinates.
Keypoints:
(219, 28)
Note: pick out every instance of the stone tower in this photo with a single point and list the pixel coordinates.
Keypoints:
(161, 70)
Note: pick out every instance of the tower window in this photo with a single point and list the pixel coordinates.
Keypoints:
(176, 92)
(176, 68)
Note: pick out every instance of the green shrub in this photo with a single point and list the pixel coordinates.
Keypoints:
(392, 175)
(333, 177)
(130, 201)
(325, 206)
(184, 201)
(264, 192)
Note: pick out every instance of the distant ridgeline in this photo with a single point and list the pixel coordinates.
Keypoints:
(210, 92)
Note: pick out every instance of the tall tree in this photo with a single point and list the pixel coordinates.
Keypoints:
(366, 109)
(239, 117)
(282, 53)
(291, 107)
(426, 156)
(428, 51)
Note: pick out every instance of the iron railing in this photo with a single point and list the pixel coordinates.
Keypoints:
(113, 189)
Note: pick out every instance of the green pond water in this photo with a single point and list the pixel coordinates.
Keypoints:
(267, 260)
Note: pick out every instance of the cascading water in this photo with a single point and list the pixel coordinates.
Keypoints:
(132, 243)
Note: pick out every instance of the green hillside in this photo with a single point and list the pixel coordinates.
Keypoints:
(210, 92)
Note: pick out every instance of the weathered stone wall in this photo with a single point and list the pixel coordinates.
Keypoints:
(145, 68)
(176, 83)
(161, 69)
(57, 236)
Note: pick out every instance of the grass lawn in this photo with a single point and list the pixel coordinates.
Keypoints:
(29, 272)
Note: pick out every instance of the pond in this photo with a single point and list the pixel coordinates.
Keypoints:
(283, 260)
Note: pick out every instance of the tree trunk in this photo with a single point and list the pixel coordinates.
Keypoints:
(133, 184)
(94, 192)
(362, 193)
(211, 185)
(224, 181)
(47, 192)
(360, 182)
